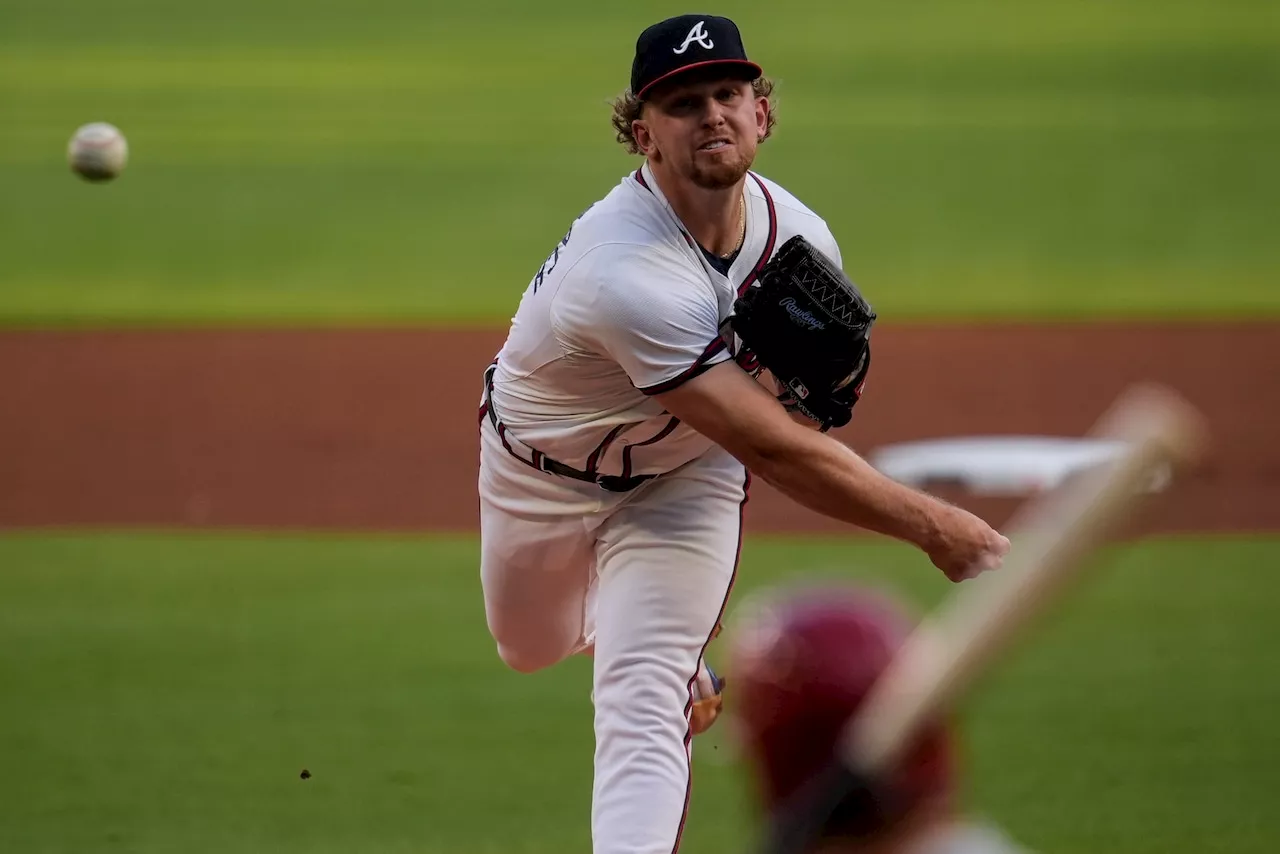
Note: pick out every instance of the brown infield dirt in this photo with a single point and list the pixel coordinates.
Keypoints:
(376, 429)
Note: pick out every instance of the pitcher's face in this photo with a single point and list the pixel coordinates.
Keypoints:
(705, 131)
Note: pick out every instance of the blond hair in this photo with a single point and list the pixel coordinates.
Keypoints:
(627, 108)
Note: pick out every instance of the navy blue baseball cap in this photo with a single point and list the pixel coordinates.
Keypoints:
(686, 42)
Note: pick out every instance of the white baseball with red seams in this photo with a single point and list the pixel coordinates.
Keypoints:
(98, 151)
(637, 574)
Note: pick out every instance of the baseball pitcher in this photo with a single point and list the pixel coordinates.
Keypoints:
(683, 336)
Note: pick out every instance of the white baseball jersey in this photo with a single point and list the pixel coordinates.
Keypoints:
(627, 306)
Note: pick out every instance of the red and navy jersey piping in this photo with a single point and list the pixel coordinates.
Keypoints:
(700, 365)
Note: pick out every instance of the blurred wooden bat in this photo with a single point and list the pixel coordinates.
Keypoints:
(1052, 536)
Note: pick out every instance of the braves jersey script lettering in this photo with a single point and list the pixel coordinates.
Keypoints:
(626, 306)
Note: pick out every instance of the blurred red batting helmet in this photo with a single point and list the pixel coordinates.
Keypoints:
(802, 663)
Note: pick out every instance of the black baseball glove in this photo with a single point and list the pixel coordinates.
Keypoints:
(810, 326)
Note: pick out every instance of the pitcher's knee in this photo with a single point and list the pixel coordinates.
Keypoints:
(528, 643)
(524, 659)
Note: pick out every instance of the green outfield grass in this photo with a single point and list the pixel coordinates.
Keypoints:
(402, 161)
(163, 693)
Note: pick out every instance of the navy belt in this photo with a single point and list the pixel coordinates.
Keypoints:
(540, 461)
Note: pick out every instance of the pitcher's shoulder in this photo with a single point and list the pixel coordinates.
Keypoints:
(625, 243)
(795, 217)
(628, 214)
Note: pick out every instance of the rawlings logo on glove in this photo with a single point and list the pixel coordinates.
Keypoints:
(800, 315)
(810, 326)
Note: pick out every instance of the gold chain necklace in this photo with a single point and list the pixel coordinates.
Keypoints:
(742, 226)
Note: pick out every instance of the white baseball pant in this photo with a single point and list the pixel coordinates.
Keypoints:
(642, 577)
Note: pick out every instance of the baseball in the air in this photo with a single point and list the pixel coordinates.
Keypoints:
(98, 151)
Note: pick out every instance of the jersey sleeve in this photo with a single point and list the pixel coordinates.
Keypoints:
(658, 320)
(825, 241)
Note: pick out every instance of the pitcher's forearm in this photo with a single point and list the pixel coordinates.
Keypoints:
(829, 478)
